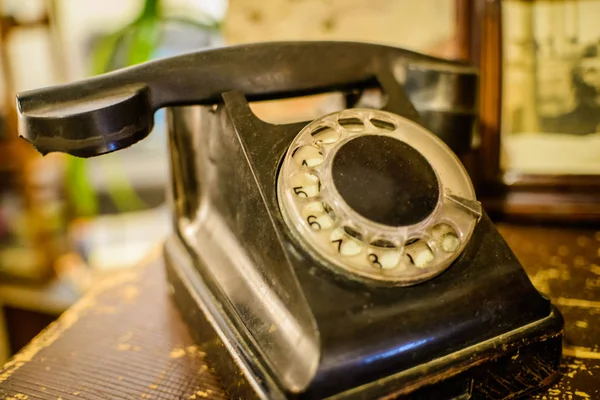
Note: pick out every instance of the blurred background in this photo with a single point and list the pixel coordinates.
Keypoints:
(68, 223)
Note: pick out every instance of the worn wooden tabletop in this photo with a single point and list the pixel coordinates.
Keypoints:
(125, 340)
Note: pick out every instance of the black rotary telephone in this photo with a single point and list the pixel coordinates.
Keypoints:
(344, 257)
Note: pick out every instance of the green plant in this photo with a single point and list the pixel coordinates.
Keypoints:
(138, 40)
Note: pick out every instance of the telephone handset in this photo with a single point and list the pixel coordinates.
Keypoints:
(115, 110)
(343, 257)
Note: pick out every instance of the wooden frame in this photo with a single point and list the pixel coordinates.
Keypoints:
(574, 198)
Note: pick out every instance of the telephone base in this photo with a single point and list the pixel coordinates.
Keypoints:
(507, 366)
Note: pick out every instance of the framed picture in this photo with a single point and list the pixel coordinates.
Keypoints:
(539, 150)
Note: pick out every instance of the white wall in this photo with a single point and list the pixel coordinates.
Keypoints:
(407, 23)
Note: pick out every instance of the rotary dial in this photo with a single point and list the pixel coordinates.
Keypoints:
(377, 196)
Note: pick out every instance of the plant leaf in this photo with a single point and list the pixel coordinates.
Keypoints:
(145, 37)
(80, 192)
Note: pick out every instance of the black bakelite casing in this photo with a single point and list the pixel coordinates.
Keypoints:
(479, 330)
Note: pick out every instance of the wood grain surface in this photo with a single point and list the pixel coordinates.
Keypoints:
(564, 264)
(125, 340)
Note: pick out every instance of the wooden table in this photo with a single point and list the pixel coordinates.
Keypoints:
(125, 339)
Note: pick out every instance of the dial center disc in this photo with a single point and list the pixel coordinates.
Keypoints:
(385, 180)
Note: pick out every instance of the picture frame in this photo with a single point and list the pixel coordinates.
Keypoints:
(535, 157)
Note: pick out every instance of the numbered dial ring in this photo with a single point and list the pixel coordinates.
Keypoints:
(377, 196)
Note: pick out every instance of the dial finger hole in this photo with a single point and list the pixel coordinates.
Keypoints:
(384, 258)
(305, 185)
(450, 242)
(383, 244)
(325, 135)
(317, 216)
(353, 233)
(308, 156)
(446, 237)
(419, 252)
(345, 244)
(381, 124)
(351, 124)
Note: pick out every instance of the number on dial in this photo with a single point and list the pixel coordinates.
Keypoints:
(344, 244)
(316, 216)
(305, 185)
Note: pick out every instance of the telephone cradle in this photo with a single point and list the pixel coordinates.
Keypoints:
(345, 257)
